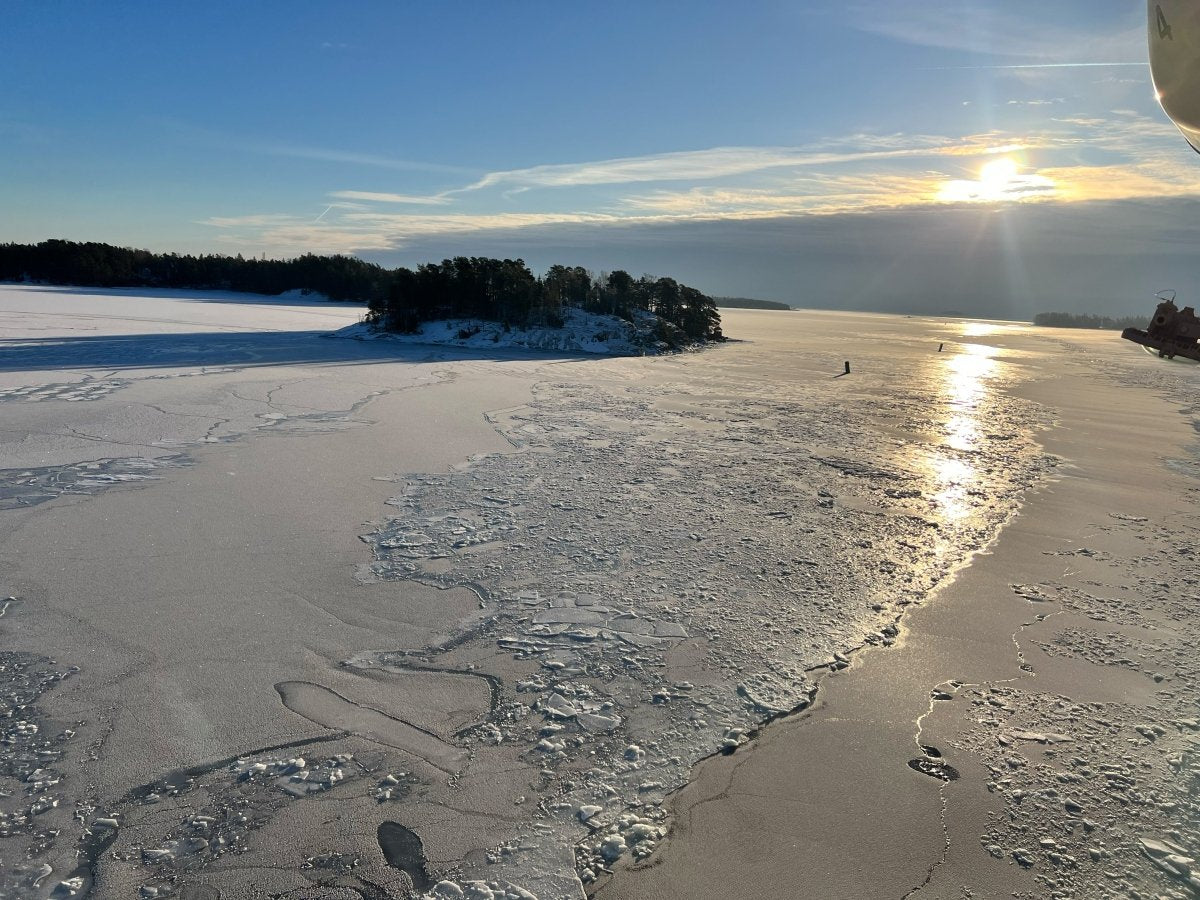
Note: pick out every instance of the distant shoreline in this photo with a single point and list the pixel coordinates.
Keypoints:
(750, 303)
(1088, 320)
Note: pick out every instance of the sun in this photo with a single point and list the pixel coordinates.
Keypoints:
(1000, 180)
(997, 175)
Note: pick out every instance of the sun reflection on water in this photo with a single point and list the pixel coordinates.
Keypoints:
(982, 329)
(966, 374)
(962, 433)
(964, 385)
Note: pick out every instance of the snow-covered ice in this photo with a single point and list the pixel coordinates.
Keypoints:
(611, 570)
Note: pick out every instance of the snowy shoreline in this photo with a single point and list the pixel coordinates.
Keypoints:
(581, 332)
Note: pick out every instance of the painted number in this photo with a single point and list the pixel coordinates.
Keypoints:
(1164, 29)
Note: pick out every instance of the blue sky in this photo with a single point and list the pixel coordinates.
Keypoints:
(796, 150)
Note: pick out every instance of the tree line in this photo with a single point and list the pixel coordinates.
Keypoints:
(750, 303)
(1088, 320)
(103, 265)
(502, 290)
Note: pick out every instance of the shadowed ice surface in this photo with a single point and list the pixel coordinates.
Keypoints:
(249, 348)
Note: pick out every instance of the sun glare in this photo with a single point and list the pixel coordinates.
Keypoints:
(999, 179)
(999, 173)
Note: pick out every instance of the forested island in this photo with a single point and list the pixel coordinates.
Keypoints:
(507, 291)
(1086, 320)
(499, 290)
(749, 303)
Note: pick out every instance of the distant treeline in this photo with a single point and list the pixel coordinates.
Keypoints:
(398, 299)
(102, 265)
(749, 303)
(1084, 320)
(505, 290)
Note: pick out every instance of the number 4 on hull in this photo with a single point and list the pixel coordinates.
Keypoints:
(1174, 37)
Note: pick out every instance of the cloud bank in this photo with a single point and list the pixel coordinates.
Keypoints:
(1003, 262)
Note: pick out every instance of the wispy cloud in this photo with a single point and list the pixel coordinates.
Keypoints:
(402, 225)
(379, 197)
(725, 162)
(1154, 162)
(325, 154)
(1022, 29)
(287, 234)
(189, 133)
(815, 195)
(1065, 65)
(297, 237)
(255, 221)
(686, 165)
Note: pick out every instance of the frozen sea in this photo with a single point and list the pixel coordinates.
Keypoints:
(297, 615)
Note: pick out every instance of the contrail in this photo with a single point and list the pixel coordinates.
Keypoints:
(1080, 65)
(322, 215)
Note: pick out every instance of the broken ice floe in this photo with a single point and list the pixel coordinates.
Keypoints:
(1173, 859)
(622, 540)
(30, 487)
(38, 809)
(478, 890)
(190, 820)
(72, 392)
(330, 709)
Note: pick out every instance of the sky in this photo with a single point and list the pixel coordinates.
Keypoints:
(999, 157)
